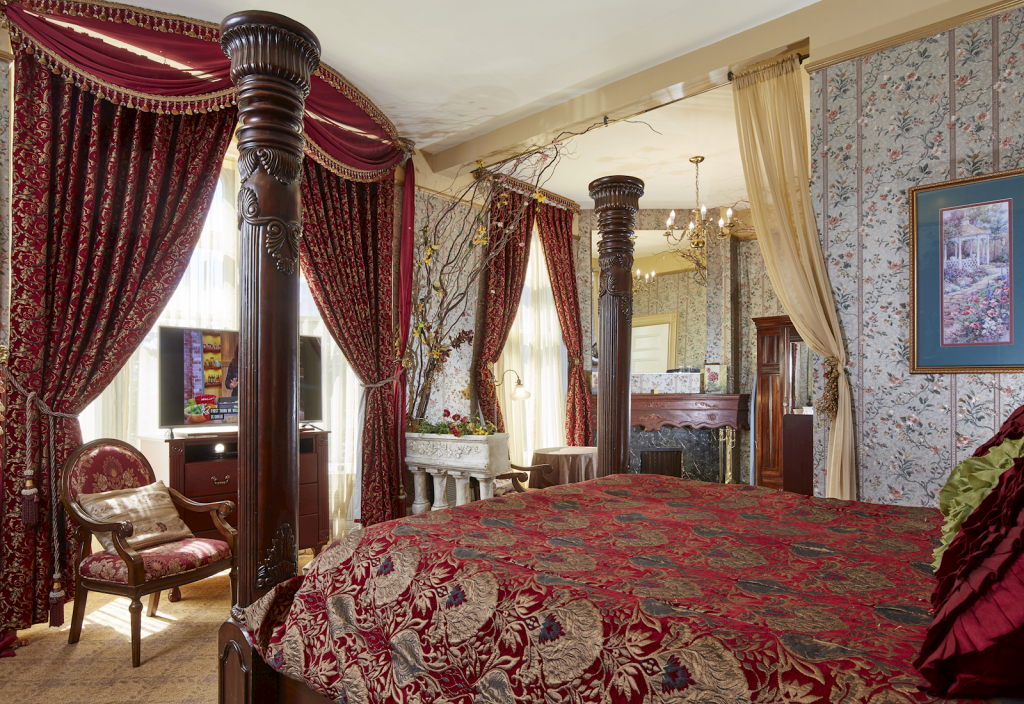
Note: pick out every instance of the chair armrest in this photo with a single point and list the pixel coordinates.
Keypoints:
(519, 480)
(119, 534)
(223, 508)
(531, 468)
(123, 529)
(518, 473)
(218, 510)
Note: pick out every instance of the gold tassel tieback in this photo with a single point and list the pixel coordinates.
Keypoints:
(828, 405)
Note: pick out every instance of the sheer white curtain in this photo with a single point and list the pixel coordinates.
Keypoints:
(535, 351)
(341, 395)
(208, 297)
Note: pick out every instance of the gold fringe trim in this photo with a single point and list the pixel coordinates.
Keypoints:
(528, 189)
(338, 82)
(129, 14)
(321, 157)
(160, 104)
(772, 68)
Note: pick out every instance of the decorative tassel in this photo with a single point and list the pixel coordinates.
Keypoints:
(29, 507)
(56, 603)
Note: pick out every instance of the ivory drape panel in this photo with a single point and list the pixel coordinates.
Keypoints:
(107, 205)
(555, 227)
(534, 350)
(502, 285)
(347, 252)
(770, 117)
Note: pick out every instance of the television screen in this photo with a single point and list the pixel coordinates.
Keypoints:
(199, 382)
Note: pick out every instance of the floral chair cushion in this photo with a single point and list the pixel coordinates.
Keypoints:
(161, 561)
(106, 468)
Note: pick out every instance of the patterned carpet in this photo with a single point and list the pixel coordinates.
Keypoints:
(179, 650)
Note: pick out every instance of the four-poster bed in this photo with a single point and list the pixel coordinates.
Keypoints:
(624, 588)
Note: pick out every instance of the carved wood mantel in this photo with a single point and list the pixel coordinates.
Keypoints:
(655, 411)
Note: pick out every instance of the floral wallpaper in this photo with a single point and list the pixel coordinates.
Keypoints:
(947, 106)
(5, 204)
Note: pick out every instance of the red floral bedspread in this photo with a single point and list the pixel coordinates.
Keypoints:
(631, 588)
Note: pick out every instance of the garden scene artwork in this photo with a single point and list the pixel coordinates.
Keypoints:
(977, 301)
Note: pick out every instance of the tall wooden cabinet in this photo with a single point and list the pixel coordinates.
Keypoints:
(783, 455)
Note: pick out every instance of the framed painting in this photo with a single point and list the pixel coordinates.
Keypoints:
(966, 269)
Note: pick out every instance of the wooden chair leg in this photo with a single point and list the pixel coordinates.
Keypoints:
(154, 602)
(136, 610)
(78, 615)
(174, 595)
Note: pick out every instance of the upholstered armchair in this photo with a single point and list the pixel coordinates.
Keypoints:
(108, 465)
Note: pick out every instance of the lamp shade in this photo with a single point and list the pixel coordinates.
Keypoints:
(520, 393)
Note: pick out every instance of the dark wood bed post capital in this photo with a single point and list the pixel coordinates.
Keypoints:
(616, 202)
(272, 58)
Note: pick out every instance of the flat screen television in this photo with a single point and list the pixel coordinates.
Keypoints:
(198, 378)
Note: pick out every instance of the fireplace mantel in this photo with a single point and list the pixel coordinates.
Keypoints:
(654, 411)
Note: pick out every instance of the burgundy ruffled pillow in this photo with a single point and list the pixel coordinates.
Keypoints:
(975, 645)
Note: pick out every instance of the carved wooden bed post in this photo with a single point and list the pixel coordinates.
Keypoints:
(272, 58)
(616, 202)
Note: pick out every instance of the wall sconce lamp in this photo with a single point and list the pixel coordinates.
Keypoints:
(519, 393)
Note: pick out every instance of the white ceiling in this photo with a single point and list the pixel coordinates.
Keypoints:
(704, 124)
(447, 70)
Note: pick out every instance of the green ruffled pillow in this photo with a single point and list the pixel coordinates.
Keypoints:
(971, 481)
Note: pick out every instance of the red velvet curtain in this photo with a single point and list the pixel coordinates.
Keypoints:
(108, 203)
(347, 252)
(502, 287)
(555, 227)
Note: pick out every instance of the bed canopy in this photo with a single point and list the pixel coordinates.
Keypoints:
(166, 63)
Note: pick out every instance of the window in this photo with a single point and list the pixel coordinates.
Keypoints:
(536, 352)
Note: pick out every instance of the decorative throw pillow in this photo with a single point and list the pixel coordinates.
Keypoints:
(975, 478)
(149, 508)
(975, 645)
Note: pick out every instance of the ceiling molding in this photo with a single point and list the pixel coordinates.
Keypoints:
(915, 34)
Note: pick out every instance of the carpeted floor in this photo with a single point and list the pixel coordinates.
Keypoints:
(179, 651)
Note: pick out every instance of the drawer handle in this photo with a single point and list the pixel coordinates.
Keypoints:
(227, 478)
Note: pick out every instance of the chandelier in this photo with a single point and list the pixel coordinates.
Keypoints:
(641, 285)
(690, 244)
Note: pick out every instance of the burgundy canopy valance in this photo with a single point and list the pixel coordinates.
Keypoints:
(166, 63)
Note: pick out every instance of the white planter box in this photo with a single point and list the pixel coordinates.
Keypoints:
(482, 457)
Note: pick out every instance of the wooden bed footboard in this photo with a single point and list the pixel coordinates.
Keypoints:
(243, 677)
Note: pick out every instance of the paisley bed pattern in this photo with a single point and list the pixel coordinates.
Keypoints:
(631, 588)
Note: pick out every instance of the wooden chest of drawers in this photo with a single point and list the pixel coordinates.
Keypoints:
(205, 468)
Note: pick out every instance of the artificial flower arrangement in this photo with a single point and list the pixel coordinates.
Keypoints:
(457, 425)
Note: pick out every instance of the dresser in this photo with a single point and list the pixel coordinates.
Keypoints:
(204, 467)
